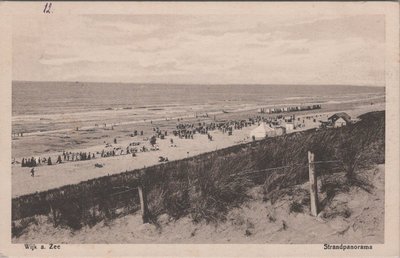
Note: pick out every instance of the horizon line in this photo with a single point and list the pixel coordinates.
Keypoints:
(211, 84)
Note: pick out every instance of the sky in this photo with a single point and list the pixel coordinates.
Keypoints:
(201, 49)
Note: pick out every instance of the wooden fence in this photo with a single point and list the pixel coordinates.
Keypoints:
(108, 198)
(314, 203)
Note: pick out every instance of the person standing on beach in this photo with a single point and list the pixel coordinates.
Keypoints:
(33, 162)
(33, 172)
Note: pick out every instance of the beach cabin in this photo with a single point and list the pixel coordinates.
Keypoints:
(289, 127)
(280, 130)
(339, 119)
(339, 122)
(262, 131)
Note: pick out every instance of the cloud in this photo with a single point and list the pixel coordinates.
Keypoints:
(201, 49)
(297, 51)
(60, 61)
(367, 27)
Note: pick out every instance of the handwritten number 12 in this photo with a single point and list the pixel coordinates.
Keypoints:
(47, 8)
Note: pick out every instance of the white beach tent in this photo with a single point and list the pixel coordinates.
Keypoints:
(262, 131)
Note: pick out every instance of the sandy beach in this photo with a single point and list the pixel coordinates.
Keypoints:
(94, 140)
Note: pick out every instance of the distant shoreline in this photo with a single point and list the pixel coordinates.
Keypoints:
(126, 112)
(200, 84)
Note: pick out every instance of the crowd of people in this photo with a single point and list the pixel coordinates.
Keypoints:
(77, 156)
(38, 161)
(160, 133)
(108, 153)
(136, 133)
(183, 131)
(187, 130)
(65, 157)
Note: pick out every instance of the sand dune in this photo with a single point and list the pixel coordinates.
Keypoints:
(255, 222)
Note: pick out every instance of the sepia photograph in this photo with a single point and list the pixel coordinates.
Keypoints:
(203, 127)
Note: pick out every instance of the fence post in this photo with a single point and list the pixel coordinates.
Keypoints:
(313, 184)
(143, 203)
(54, 214)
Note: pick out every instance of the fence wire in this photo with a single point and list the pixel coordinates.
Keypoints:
(298, 165)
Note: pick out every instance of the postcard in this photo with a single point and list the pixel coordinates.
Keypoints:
(199, 129)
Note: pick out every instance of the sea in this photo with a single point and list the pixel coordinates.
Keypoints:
(41, 98)
(53, 106)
